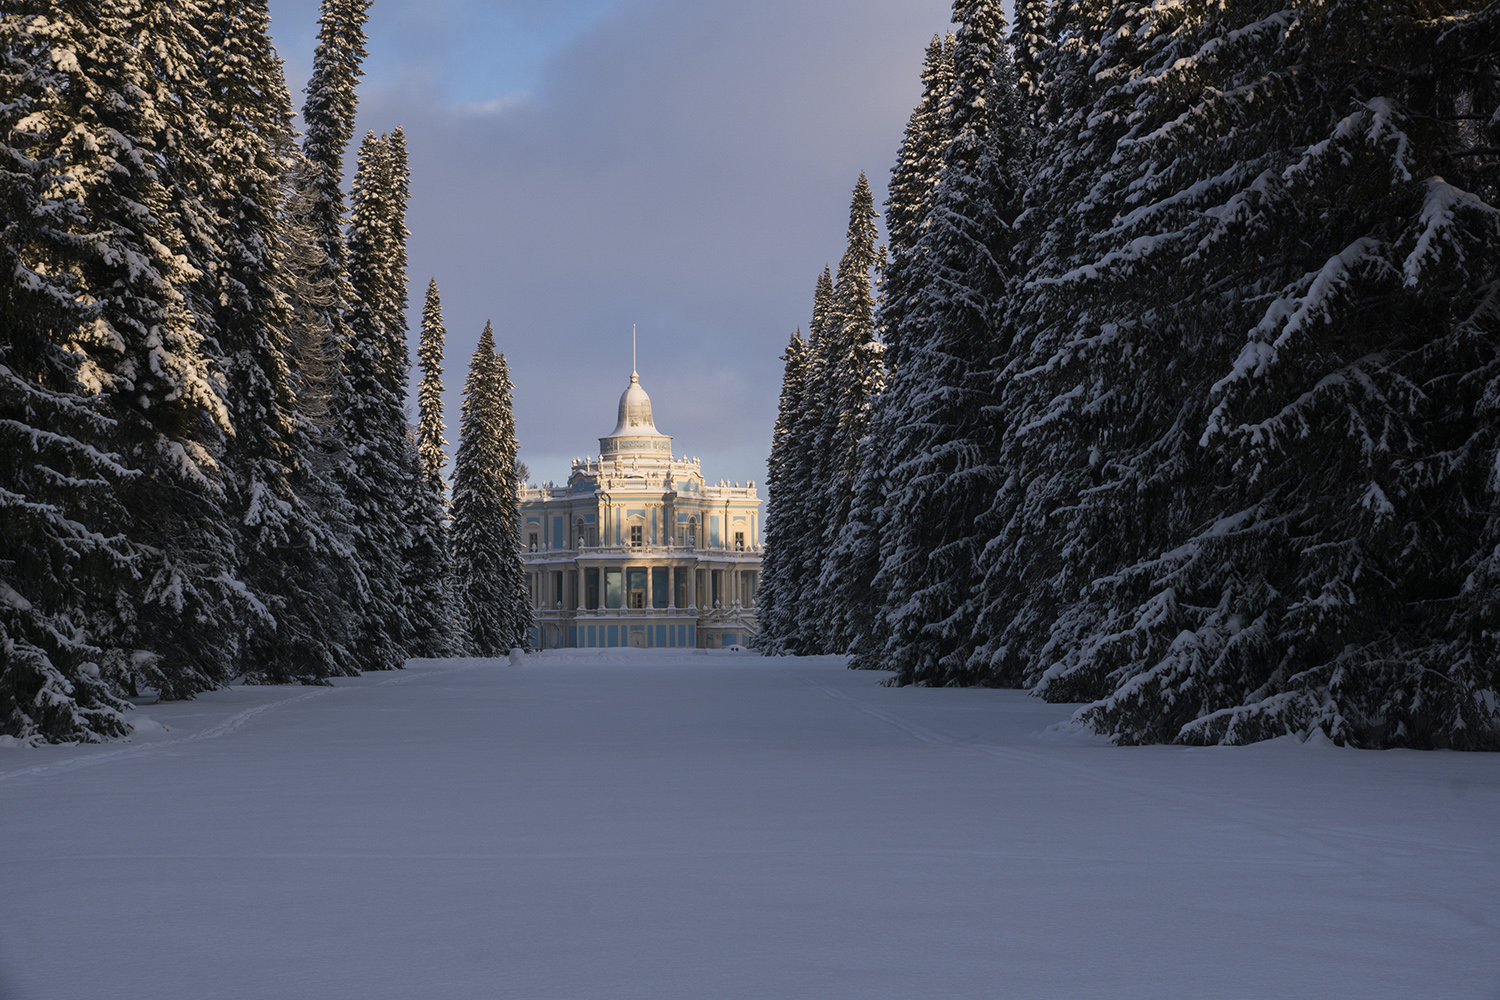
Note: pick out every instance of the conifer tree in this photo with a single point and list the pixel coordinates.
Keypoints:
(429, 566)
(141, 231)
(430, 393)
(1292, 540)
(485, 533)
(57, 561)
(1028, 43)
(779, 584)
(940, 444)
(282, 543)
(918, 165)
(328, 116)
(853, 376)
(372, 419)
(806, 539)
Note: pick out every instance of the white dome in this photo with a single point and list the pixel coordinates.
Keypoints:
(635, 434)
(635, 411)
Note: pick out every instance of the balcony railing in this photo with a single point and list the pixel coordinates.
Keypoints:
(644, 549)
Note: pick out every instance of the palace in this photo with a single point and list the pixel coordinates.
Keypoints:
(637, 550)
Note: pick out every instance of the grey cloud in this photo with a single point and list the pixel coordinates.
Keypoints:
(685, 166)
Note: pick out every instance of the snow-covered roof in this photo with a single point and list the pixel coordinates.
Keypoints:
(635, 412)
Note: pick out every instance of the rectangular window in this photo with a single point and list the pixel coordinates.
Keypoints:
(716, 576)
(559, 534)
(635, 536)
(739, 541)
(591, 584)
(713, 532)
(593, 636)
(532, 544)
(635, 582)
(747, 586)
(661, 635)
(614, 636)
(681, 578)
(557, 589)
(613, 589)
(660, 589)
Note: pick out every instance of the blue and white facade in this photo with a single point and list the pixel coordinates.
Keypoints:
(637, 550)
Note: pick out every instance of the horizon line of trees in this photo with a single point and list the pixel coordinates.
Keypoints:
(1181, 394)
(207, 471)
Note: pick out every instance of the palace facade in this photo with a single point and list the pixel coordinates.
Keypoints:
(637, 550)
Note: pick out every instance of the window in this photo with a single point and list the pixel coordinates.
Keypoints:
(532, 543)
(635, 585)
(635, 536)
(613, 585)
(661, 589)
(591, 584)
(739, 541)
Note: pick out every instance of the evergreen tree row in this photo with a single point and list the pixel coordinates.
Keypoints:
(206, 468)
(1191, 378)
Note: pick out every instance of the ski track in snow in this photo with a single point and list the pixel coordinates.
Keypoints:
(235, 722)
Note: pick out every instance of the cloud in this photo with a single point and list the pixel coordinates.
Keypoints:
(678, 164)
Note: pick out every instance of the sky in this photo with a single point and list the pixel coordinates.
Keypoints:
(579, 166)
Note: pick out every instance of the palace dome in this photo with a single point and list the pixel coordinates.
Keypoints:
(635, 431)
(635, 411)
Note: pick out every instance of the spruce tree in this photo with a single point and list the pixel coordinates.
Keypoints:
(58, 561)
(429, 567)
(776, 600)
(939, 441)
(372, 418)
(328, 116)
(806, 539)
(1259, 345)
(853, 376)
(433, 445)
(282, 541)
(913, 179)
(141, 231)
(485, 534)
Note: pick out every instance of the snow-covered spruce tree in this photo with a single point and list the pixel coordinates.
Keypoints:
(1029, 42)
(428, 564)
(919, 161)
(314, 356)
(913, 179)
(939, 441)
(282, 542)
(1293, 541)
(778, 583)
(519, 619)
(432, 444)
(855, 376)
(485, 535)
(372, 419)
(807, 516)
(140, 231)
(328, 116)
(57, 560)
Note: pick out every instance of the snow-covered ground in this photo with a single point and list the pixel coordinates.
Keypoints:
(640, 825)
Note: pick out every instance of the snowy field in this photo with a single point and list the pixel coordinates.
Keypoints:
(704, 826)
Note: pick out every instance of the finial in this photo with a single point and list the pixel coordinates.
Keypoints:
(634, 376)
